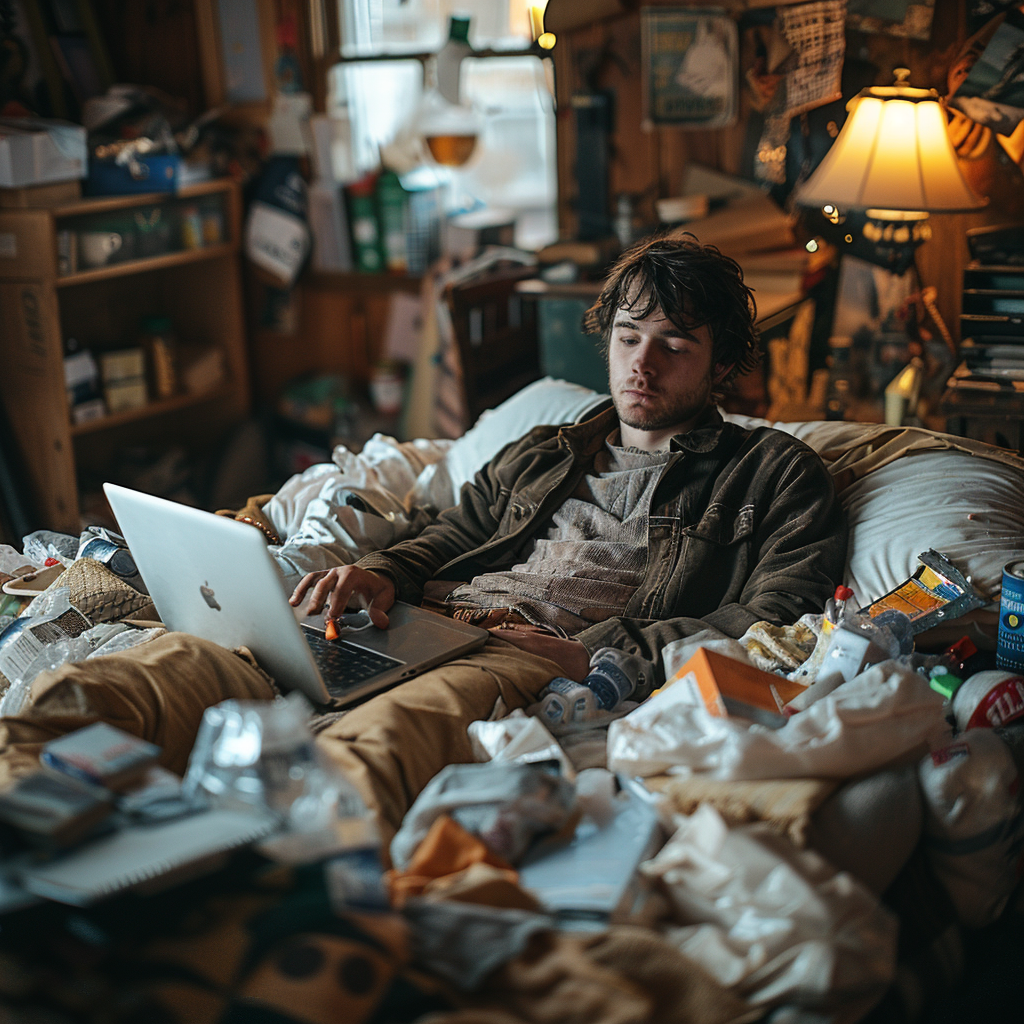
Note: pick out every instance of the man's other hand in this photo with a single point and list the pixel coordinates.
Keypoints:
(570, 655)
(337, 589)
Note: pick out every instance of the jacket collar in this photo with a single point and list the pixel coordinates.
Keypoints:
(586, 437)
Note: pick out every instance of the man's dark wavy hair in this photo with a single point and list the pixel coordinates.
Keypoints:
(693, 285)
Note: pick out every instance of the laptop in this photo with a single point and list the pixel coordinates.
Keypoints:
(215, 578)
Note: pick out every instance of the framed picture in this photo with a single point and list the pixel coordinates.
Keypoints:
(236, 43)
(911, 20)
(690, 67)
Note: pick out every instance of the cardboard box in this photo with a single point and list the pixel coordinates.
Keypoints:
(40, 197)
(727, 686)
(34, 151)
(124, 379)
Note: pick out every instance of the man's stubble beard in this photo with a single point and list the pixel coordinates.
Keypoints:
(681, 408)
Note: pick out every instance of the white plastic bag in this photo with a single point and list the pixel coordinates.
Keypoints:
(774, 923)
(871, 720)
(505, 805)
(974, 823)
(517, 739)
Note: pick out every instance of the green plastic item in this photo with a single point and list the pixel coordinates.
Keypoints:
(392, 209)
(945, 683)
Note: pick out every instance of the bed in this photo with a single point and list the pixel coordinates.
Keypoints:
(904, 489)
(818, 944)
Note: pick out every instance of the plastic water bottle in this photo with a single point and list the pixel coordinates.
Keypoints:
(614, 676)
(860, 641)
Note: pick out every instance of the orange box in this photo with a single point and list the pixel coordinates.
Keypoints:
(727, 686)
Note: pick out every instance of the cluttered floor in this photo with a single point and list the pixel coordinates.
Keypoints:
(592, 865)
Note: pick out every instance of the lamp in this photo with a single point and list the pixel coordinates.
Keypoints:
(892, 164)
(892, 159)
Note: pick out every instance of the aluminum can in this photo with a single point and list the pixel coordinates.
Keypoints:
(1010, 638)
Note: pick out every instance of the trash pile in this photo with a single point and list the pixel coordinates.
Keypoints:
(65, 599)
(749, 814)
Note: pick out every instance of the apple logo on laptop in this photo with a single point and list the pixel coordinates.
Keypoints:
(207, 592)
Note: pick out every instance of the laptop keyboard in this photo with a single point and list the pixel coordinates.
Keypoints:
(343, 664)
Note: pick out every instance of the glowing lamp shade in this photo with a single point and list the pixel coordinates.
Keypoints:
(893, 154)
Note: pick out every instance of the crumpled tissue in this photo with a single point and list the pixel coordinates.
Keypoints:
(774, 923)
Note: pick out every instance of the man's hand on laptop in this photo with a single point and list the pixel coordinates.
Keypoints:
(336, 589)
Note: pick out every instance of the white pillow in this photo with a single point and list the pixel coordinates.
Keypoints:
(545, 401)
(968, 508)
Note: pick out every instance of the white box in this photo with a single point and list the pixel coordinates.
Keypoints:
(35, 150)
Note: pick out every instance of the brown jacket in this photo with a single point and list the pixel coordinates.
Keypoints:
(745, 526)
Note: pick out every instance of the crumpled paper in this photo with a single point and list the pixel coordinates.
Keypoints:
(774, 923)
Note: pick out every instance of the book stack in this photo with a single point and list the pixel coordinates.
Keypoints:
(992, 317)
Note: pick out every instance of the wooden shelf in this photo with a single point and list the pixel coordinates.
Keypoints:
(171, 259)
(150, 409)
(112, 204)
(200, 289)
(354, 281)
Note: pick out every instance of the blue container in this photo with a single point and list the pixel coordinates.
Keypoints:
(159, 173)
(1010, 640)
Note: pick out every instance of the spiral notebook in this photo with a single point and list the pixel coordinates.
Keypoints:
(141, 853)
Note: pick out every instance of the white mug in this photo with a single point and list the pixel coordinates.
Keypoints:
(95, 248)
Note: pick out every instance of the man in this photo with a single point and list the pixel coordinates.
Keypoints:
(651, 521)
(625, 531)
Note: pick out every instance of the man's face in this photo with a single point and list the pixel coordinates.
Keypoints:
(660, 377)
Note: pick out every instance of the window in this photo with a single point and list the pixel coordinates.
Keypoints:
(513, 167)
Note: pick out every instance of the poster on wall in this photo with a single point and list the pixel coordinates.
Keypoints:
(690, 67)
(815, 34)
(910, 19)
(993, 92)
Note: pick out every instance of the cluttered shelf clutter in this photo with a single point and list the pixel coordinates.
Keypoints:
(735, 726)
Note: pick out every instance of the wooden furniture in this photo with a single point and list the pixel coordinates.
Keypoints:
(995, 416)
(45, 300)
(495, 332)
(335, 323)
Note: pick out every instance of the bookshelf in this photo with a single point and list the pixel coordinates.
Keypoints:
(45, 299)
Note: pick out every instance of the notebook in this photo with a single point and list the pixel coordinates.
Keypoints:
(141, 853)
(215, 578)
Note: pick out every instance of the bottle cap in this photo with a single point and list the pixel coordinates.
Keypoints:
(944, 682)
(458, 28)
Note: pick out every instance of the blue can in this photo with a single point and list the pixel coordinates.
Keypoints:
(1010, 640)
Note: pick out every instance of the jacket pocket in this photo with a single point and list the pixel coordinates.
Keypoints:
(723, 525)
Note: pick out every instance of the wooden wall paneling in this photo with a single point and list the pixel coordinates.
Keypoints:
(645, 162)
(30, 352)
(341, 323)
(156, 43)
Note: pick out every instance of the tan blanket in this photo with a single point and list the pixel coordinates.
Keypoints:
(852, 450)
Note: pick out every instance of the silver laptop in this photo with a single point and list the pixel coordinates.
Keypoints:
(216, 579)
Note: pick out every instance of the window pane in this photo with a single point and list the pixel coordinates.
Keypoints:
(408, 26)
(516, 159)
(381, 96)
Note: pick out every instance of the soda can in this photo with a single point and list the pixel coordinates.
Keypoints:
(1010, 639)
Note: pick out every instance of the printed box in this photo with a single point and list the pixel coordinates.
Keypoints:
(727, 686)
